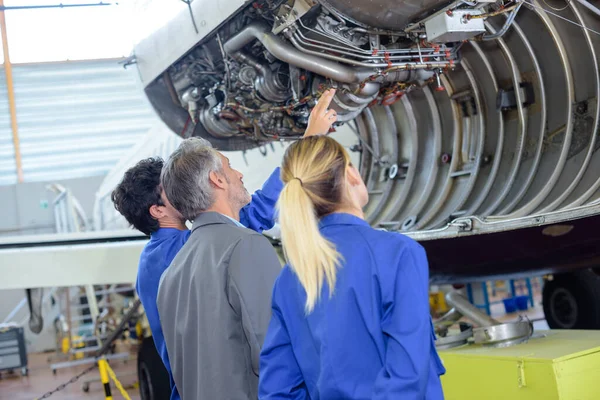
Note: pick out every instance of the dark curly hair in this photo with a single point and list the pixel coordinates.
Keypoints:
(137, 192)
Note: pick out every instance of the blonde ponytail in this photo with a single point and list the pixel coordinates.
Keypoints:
(313, 171)
(308, 253)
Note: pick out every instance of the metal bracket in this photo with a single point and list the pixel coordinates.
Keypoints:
(131, 60)
(417, 24)
(521, 374)
(507, 99)
(463, 225)
(393, 171)
(301, 7)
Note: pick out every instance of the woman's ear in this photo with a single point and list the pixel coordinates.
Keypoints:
(352, 175)
(356, 187)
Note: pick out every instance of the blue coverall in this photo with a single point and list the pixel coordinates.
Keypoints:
(165, 243)
(373, 339)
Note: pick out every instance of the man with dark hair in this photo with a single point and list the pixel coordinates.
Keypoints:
(139, 197)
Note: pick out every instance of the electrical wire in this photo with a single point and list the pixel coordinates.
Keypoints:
(509, 20)
(493, 13)
(561, 17)
(225, 62)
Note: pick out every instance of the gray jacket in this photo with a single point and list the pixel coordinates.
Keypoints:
(214, 303)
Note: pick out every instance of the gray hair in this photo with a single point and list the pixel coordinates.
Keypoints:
(185, 177)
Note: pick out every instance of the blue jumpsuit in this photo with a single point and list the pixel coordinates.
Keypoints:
(372, 340)
(165, 243)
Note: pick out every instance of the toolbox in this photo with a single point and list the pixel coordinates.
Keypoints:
(13, 354)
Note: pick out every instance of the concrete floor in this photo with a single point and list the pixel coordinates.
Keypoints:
(41, 380)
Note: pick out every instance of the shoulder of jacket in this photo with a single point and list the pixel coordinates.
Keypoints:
(383, 238)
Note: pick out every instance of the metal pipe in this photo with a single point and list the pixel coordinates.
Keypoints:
(345, 117)
(266, 84)
(449, 318)
(317, 64)
(295, 41)
(504, 29)
(10, 88)
(494, 13)
(289, 54)
(214, 126)
(351, 50)
(361, 100)
(462, 305)
(60, 5)
(590, 7)
(522, 125)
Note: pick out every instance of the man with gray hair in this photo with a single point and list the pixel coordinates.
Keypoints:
(214, 300)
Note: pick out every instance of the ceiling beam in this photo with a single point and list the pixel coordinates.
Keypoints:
(11, 95)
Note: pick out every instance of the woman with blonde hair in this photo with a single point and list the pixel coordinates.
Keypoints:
(350, 310)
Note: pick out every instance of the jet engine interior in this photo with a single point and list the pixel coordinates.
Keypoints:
(451, 108)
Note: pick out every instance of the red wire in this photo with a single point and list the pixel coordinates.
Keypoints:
(185, 126)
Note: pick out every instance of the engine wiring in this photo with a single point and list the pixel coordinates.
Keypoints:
(223, 84)
(386, 91)
(386, 96)
(226, 63)
(501, 10)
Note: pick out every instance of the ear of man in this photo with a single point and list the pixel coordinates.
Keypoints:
(218, 180)
(156, 211)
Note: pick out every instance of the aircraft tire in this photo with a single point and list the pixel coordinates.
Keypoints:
(572, 300)
(152, 374)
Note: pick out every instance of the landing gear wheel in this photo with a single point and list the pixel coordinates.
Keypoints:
(24, 371)
(85, 387)
(572, 300)
(152, 374)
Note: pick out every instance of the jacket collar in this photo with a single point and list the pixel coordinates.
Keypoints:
(162, 233)
(341, 219)
(211, 218)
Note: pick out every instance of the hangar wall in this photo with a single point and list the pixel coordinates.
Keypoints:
(76, 119)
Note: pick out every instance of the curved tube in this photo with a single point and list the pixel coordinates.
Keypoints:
(504, 29)
(462, 305)
(319, 65)
(449, 318)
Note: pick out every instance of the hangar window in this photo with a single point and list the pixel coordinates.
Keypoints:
(39, 33)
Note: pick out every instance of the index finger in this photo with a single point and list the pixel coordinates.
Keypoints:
(325, 100)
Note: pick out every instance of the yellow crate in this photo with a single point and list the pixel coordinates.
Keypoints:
(561, 365)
